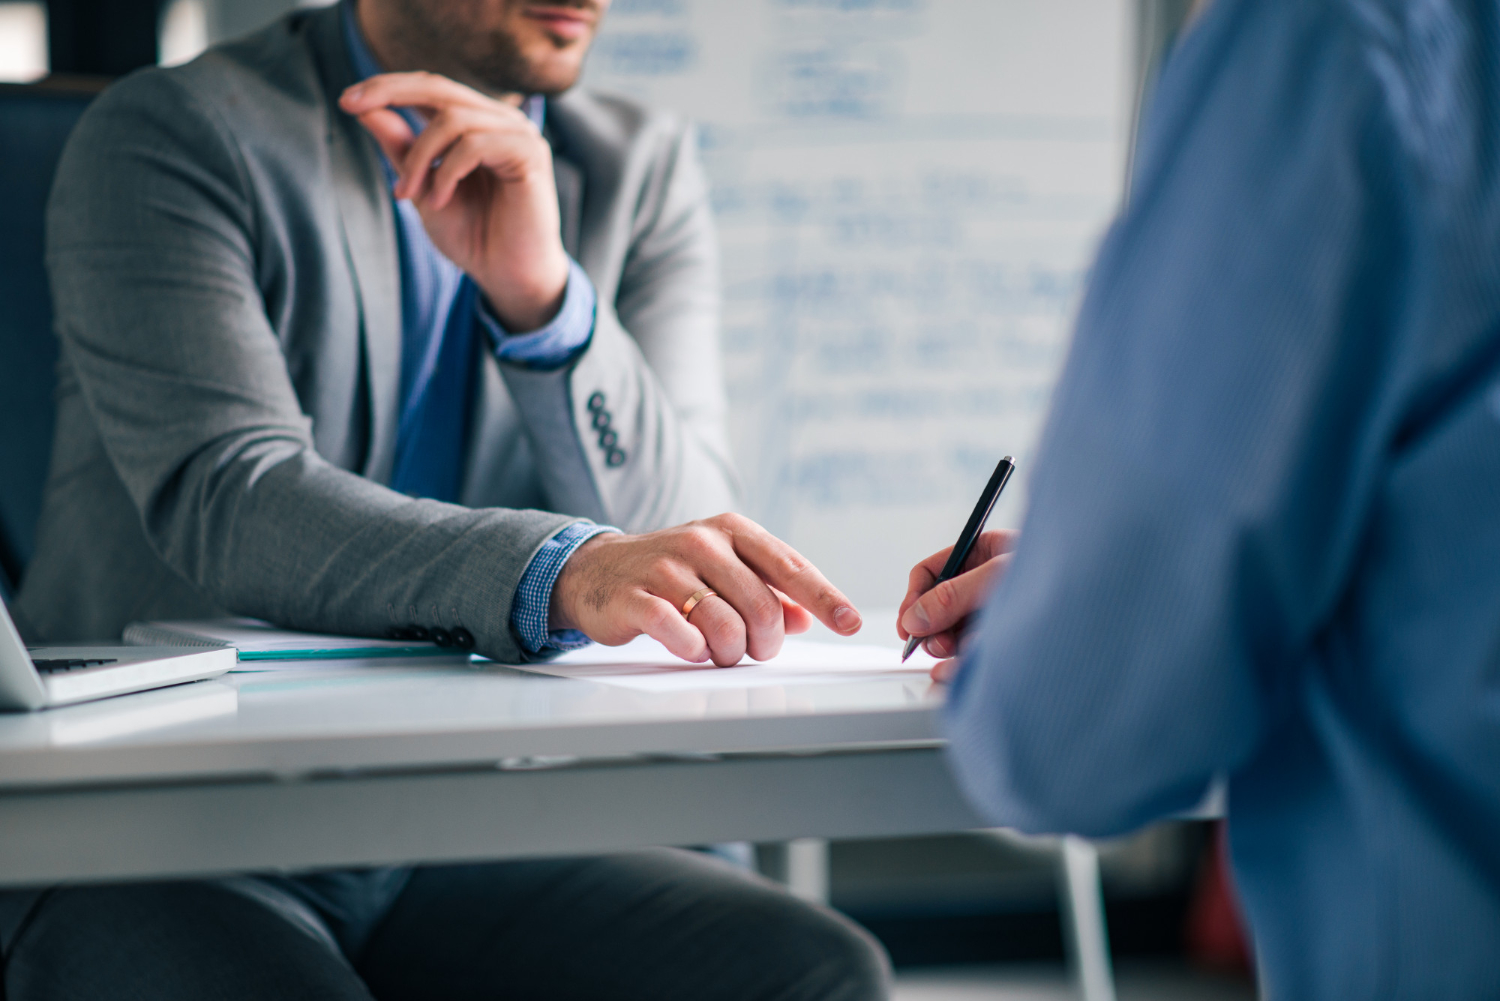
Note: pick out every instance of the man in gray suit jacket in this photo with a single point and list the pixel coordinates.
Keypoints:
(366, 327)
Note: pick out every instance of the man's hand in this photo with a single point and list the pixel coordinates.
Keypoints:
(480, 175)
(616, 587)
(941, 613)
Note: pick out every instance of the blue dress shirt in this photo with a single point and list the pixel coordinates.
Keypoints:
(440, 310)
(1264, 531)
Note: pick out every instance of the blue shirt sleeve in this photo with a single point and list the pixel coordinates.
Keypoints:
(555, 344)
(529, 609)
(1207, 463)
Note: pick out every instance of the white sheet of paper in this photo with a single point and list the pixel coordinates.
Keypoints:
(645, 665)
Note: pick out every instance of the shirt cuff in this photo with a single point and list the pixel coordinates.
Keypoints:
(529, 609)
(555, 344)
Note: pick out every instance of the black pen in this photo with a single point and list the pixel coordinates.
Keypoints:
(970, 534)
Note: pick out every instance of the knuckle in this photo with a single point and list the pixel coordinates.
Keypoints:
(656, 614)
(736, 522)
(945, 595)
(662, 568)
(726, 632)
(700, 540)
(764, 610)
(793, 564)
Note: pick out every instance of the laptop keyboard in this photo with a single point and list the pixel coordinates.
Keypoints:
(59, 666)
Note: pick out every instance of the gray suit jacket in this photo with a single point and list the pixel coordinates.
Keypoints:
(223, 261)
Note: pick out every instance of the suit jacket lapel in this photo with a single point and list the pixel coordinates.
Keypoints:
(569, 180)
(370, 243)
(369, 232)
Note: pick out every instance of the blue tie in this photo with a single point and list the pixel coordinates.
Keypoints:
(438, 304)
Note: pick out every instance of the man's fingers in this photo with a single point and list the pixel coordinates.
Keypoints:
(441, 133)
(756, 604)
(943, 644)
(931, 567)
(787, 570)
(794, 618)
(471, 136)
(617, 587)
(722, 626)
(455, 111)
(943, 670)
(990, 556)
(949, 603)
(390, 131)
(991, 544)
(426, 91)
(657, 618)
(460, 161)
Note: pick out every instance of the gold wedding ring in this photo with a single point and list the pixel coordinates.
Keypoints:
(695, 597)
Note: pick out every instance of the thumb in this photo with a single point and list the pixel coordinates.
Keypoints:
(950, 602)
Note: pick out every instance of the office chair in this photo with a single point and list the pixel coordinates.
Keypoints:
(35, 122)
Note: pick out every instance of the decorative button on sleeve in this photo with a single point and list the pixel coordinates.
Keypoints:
(614, 456)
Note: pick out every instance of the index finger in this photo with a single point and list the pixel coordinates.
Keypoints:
(413, 90)
(787, 570)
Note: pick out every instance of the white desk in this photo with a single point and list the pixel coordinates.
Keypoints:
(326, 767)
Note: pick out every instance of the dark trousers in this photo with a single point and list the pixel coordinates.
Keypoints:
(659, 924)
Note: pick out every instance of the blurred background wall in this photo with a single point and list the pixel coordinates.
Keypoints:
(908, 194)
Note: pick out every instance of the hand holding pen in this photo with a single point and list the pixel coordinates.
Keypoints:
(950, 585)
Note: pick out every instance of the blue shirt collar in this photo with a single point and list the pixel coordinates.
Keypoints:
(365, 66)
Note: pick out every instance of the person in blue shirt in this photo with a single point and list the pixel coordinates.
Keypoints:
(1263, 536)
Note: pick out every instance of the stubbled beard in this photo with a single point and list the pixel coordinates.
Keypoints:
(501, 67)
(493, 60)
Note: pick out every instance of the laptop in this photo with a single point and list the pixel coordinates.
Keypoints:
(39, 677)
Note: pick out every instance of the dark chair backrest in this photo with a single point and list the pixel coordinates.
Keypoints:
(35, 122)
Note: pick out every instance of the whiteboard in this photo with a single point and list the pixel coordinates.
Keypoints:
(908, 195)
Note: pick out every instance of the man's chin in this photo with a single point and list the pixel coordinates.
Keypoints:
(551, 81)
(527, 81)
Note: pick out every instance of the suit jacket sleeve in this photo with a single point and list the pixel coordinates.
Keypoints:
(152, 250)
(652, 370)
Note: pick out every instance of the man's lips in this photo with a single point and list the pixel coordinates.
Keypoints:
(563, 22)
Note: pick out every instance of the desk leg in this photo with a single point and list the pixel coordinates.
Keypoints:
(1083, 920)
(800, 865)
(807, 869)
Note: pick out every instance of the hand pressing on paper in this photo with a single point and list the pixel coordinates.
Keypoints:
(616, 587)
(480, 176)
(941, 614)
